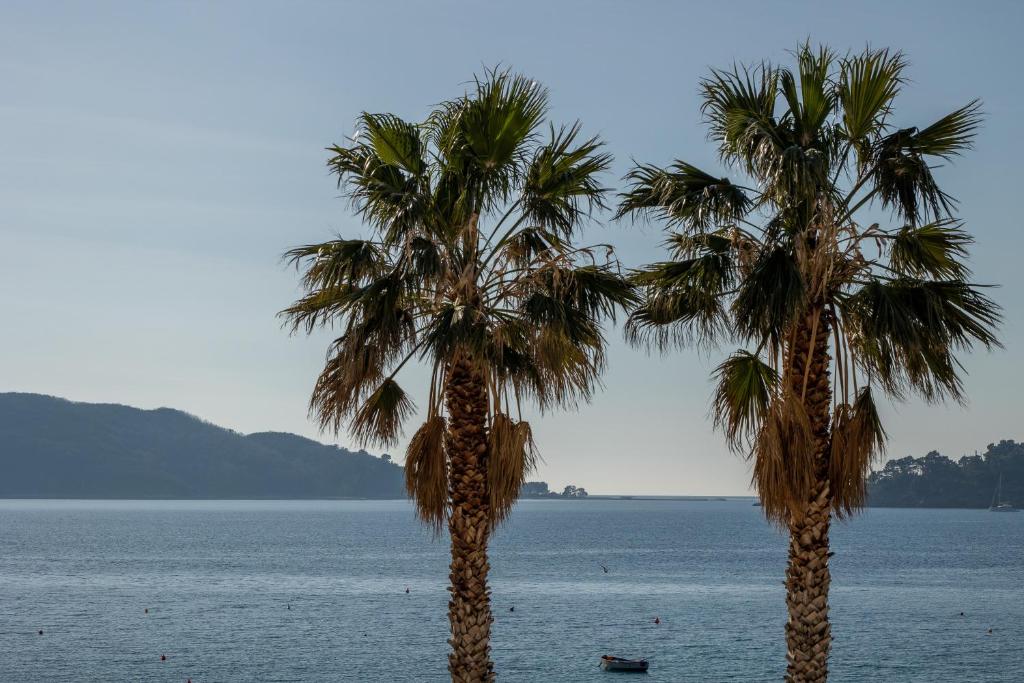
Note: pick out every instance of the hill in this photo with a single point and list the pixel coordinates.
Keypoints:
(54, 448)
(937, 481)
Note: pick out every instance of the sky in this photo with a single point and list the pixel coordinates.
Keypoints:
(157, 158)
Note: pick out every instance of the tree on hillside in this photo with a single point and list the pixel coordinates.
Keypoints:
(473, 270)
(936, 481)
(790, 262)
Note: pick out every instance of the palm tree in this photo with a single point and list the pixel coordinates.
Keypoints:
(472, 270)
(791, 263)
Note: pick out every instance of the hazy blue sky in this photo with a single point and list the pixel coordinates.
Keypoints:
(157, 158)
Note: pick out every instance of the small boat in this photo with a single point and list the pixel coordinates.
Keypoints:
(997, 500)
(609, 663)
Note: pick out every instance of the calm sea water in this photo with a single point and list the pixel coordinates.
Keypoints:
(315, 591)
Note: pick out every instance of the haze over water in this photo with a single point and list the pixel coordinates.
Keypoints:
(218, 577)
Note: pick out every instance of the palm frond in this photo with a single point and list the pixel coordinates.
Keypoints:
(495, 126)
(683, 301)
(379, 420)
(950, 135)
(900, 164)
(320, 307)
(746, 386)
(426, 472)
(784, 459)
(868, 84)
(772, 294)
(561, 185)
(683, 195)
(858, 437)
(814, 101)
(936, 249)
(739, 107)
(511, 458)
(906, 332)
(391, 200)
(396, 142)
(337, 262)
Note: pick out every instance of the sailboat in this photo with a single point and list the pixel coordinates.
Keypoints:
(997, 499)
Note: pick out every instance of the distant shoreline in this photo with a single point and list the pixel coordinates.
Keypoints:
(689, 499)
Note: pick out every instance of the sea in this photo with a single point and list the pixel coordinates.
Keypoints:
(325, 591)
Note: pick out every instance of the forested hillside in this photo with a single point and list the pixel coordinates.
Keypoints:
(53, 448)
(937, 481)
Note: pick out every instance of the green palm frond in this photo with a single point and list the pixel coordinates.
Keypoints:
(387, 197)
(936, 249)
(745, 388)
(395, 142)
(904, 181)
(683, 301)
(902, 173)
(562, 181)
(320, 307)
(770, 296)
(495, 128)
(683, 195)
(951, 135)
(739, 107)
(813, 102)
(338, 263)
(868, 84)
(905, 332)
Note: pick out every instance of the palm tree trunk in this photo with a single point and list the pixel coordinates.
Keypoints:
(469, 609)
(808, 630)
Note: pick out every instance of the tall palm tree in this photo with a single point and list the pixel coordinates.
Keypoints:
(471, 269)
(792, 262)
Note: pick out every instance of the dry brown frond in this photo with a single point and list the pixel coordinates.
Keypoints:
(379, 419)
(512, 457)
(426, 472)
(784, 459)
(857, 438)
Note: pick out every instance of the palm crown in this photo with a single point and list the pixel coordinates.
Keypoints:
(473, 213)
(787, 252)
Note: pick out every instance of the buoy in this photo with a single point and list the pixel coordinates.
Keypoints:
(406, 589)
(163, 658)
(40, 631)
(512, 608)
(657, 620)
(145, 611)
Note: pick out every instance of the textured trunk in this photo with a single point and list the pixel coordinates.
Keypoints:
(469, 609)
(808, 631)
